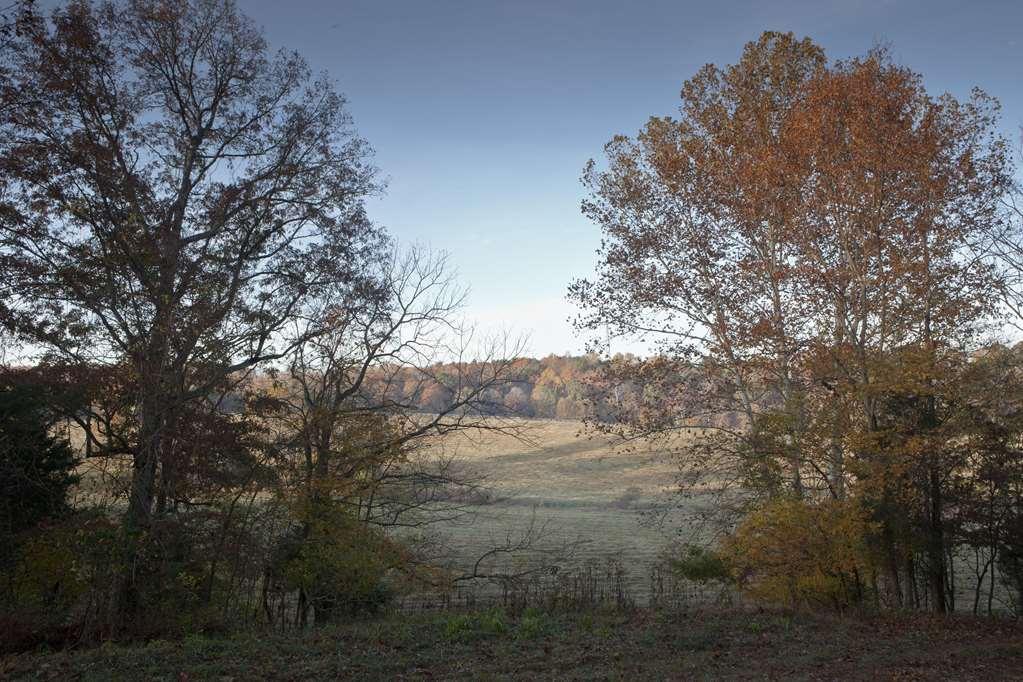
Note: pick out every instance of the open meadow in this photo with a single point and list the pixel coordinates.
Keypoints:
(560, 463)
(568, 487)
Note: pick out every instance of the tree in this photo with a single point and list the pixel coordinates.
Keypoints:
(434, 397)
(1006, 251)
(355, 450)
(801, 246)
(698, 214)
(545, 400)
(36, 467)
(393, 327)
(517, 402)
(171, 191)
(903, 189)
(569, 408)
(95, 398)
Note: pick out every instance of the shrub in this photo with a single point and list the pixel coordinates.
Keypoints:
(701, 565)
(59, 581)
(36, 468)
(1010, 561)
(172, 573)
(796, 553)
(64, 581)
(471, 627)
(338, 563)
(533, 624)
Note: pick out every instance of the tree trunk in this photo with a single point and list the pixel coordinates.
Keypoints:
(914, 595)
(836, 458)
(893, 567)
(152, 414)
(936, 544)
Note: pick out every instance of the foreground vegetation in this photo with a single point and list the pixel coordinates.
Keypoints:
(640, 644)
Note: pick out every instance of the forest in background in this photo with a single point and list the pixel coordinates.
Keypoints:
(553, 387)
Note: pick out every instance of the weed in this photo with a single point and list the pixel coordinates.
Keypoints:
(475, 626)
(534, 624)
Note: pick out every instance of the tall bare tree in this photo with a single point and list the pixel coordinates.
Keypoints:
(383, 342)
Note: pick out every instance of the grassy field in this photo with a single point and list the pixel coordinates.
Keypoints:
(576, 486)
(561, 464)
(586, 489)
(632, 645)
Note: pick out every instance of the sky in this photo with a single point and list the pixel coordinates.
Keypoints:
(482, 114)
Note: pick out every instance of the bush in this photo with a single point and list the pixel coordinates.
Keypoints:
(59, 582)
(172, 574)
(534, 624)
(338, 563)
(65, 580)
(795, 553)
(471, 627)
(36, 469)
(1010, 561)
(701, 565)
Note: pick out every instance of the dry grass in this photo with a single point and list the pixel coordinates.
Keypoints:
(577, 486)
(561, 464)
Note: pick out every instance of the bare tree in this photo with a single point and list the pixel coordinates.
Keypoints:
(1007, 250)
(345, 406)
(348, 397)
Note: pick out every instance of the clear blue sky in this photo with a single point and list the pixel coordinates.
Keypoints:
(482, 113)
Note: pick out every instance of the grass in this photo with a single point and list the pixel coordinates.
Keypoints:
(534, 645)
(578, 486)
(568, 468)
(583, 487)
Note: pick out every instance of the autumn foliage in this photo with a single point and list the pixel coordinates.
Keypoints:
(812, 249)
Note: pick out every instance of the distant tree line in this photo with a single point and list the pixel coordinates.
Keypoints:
(553, 387)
